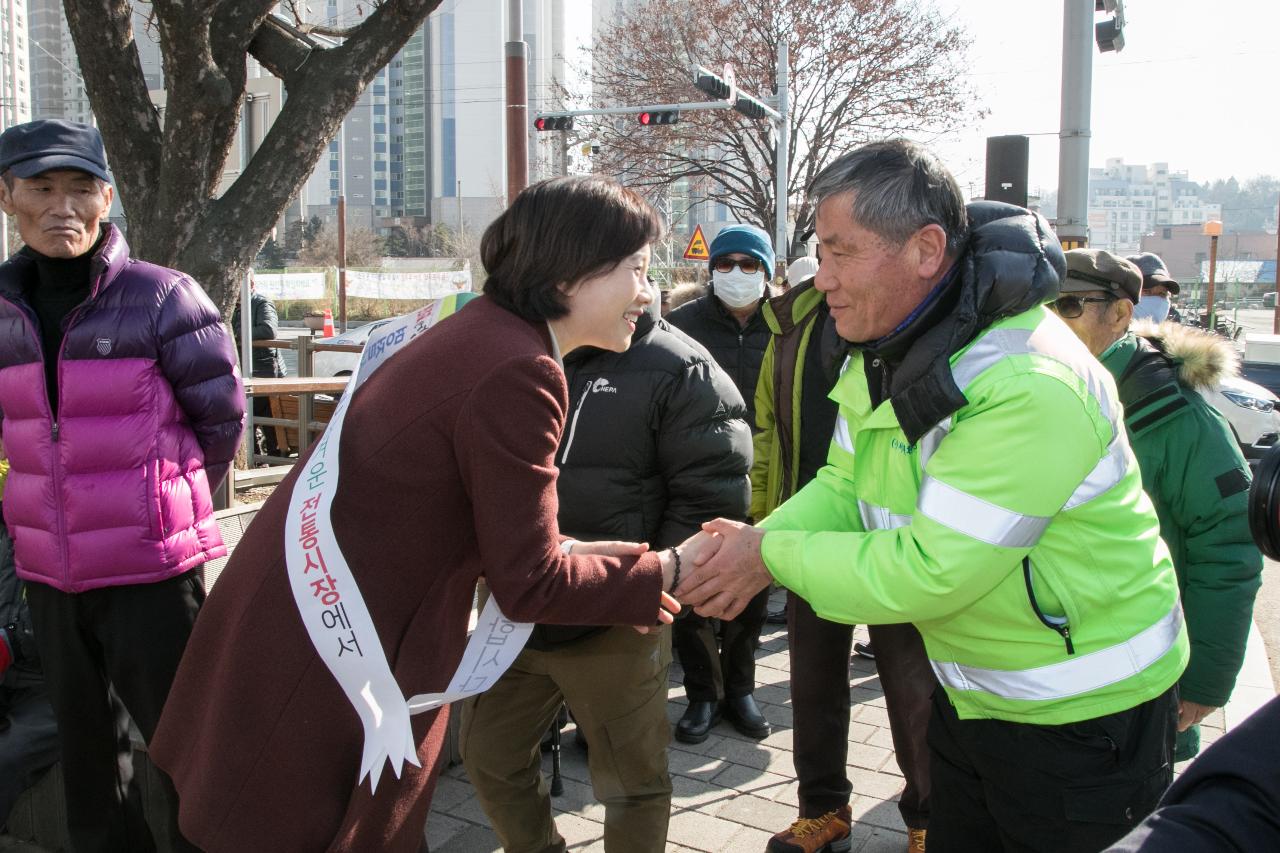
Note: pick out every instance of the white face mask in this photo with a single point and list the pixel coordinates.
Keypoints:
(738, 289)
(1154, 308)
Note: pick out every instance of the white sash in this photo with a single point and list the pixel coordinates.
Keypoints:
(334, 612)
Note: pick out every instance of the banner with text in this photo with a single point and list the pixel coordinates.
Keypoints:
(407, 285)
(289, 285)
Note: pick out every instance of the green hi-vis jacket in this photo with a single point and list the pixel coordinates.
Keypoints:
(1015, 534)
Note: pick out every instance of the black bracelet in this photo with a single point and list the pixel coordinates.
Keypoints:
(675, 576)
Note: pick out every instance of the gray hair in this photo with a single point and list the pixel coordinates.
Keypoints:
(899, 188)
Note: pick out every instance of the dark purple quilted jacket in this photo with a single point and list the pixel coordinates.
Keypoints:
(150, 413)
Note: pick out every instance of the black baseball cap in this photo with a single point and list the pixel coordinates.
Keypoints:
(1154, 271)
(30, 149)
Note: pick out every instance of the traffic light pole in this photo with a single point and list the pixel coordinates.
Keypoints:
(649, 108)
(731, 99)
(1073, 145)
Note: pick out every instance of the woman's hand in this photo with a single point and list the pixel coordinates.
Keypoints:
(609, 548)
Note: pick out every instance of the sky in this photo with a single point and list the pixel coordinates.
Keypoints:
(1194, 86)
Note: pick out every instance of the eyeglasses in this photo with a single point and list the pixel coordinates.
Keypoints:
(750, 266)
(1071, 307)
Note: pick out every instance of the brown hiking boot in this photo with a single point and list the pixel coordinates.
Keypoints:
(915, 840)
(826, 834)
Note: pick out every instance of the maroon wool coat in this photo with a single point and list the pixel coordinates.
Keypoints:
(447, 475)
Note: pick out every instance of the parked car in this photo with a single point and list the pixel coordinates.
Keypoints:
(1263, 373)
(343, 363)
(1251, 411)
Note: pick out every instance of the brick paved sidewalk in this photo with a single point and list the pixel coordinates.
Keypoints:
(731, 793)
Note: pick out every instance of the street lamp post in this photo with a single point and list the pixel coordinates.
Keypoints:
(1275, 317)
(1213, 230)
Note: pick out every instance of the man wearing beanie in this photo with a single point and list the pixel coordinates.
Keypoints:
(122, 410)
(729, 323)
(1191, 465)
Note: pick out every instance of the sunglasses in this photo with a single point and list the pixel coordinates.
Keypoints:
(750, 266)
(1071, 307)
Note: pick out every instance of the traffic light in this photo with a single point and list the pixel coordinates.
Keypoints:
(553, 122)
(749, 106)
(659, 117)
(712, 83)
(1110, 34)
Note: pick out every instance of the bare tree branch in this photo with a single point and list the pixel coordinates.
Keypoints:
(860, 70)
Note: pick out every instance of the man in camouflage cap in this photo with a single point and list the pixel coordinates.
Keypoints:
(1191, 467)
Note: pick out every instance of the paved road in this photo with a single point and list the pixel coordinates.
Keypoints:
(1266, 615)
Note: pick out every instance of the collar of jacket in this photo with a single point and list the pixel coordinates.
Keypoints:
(1011, 262)
(783, 313)
(1203, 359)
(645, 324)
(108, 261)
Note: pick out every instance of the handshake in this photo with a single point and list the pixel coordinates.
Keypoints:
(716, 571)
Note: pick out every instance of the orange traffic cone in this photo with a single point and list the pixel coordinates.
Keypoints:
(328, 324)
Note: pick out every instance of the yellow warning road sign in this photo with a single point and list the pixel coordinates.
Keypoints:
(697, 248)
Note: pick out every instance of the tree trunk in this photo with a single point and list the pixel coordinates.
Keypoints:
(167, 175)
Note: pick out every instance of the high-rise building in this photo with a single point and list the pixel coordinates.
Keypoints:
(15, 76)
(1128, 201)
(426, 144)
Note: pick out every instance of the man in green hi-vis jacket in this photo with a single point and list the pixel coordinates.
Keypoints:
(979, 485)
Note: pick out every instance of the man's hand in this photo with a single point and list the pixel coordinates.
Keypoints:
(1190, 713)
(722, 583)
(698, 549)
(609, 548)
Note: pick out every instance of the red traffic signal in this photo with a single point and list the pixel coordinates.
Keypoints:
(553, 122)
(659, 117)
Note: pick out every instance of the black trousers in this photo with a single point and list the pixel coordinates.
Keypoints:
(711, 674)
(1073, 788)
(820, 709)
(110, 654)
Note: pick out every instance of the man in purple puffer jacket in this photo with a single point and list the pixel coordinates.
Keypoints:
(122, 409)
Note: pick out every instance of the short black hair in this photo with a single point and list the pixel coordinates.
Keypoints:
(899, 187)
(562, 231)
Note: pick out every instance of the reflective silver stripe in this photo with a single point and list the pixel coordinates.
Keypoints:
(1051, 338)
(1079, 674)
(978, 519)
(990, 349)
(930, 440)
(842, 437)
(1109, 471)
(879, 518)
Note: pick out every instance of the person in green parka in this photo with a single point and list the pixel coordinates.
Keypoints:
(1191, 468)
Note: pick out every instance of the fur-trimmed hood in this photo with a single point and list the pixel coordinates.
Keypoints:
(1204, 359)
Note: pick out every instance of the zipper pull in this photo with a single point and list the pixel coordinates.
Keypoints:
(55, 431)
(1066, 636)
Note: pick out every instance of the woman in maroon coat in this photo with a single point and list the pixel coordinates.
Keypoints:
(446, 476)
